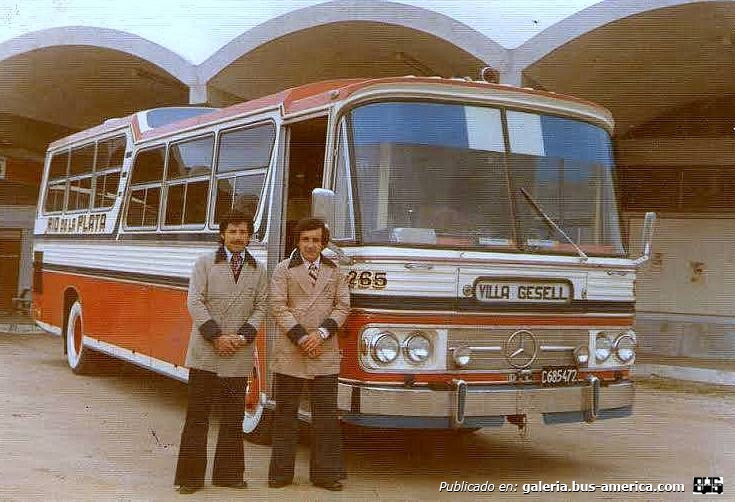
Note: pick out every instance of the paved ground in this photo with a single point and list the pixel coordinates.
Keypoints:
(115, 437)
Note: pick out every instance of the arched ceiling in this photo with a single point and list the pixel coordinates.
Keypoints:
(646, 64)
(343, 49)
(55, 90)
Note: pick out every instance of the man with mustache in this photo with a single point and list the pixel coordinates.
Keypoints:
(227, 303)
(310, 300)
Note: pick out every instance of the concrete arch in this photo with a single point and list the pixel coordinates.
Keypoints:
(105, 38)
(585, 21)
(407, 16)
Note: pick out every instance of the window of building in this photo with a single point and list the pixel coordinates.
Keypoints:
(684, 190)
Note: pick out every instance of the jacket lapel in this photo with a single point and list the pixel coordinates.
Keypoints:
(302, 278)
(325, 273)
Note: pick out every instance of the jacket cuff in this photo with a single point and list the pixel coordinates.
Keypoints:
(330, 325)
(210, 330)
(248, 331)
(296, 333)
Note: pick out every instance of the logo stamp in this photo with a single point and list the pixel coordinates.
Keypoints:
(706, 485)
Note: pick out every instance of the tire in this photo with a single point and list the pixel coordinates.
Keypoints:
(257, 419)
(80, 358)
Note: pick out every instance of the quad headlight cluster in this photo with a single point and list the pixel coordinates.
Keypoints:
(399, 348)
(609, 348)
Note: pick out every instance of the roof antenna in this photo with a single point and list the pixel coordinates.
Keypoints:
(490, 75)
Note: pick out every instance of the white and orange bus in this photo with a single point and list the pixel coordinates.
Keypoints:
(477, 225)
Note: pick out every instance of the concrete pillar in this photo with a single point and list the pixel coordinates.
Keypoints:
(198, 94)
(511, 76)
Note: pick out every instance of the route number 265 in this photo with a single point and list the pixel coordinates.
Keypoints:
(366, 279)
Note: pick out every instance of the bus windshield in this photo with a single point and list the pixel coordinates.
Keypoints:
(453, 175)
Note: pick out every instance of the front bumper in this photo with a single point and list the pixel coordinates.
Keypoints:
(469, 406)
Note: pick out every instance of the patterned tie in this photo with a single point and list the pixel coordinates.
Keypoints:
(313, 274)
(236, 264)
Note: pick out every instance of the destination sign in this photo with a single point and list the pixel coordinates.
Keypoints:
(509, 290)
(79, 224)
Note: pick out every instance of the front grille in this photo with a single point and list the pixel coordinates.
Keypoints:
(556, 347)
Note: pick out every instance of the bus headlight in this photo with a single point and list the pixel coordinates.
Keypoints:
(624, 347)
(582, 355)
(417, 347)
(402, 348)
(462, 355)
(603, 347)
(385, 348)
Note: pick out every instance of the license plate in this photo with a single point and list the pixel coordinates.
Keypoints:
(559, 375)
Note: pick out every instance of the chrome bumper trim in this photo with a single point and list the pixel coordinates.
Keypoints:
(588, 399)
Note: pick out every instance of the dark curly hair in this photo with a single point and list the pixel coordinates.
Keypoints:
(235, 218)
(312, 224)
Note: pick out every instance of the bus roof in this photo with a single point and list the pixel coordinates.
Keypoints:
(295, 100)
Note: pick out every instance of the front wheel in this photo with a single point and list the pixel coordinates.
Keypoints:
(79, 357)
(256, 423)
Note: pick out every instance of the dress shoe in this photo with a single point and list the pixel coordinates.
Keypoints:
(187, 490)
(237, 485)
(278, 484)
(332, 486)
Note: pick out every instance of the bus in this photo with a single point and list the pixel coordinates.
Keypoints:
(477, 225)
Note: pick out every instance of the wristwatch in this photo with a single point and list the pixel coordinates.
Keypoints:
(324, 333)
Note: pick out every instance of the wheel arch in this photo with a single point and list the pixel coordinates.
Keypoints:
(71, 295)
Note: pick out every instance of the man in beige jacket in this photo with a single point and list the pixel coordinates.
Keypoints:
(227, 303)
(310, 300)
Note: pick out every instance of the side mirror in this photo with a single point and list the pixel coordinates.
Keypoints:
(322, 205)
(646, 238)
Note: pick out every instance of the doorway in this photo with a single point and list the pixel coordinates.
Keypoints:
(305, 171)
(10, 245)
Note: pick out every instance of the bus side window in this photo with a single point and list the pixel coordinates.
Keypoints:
(56, 185)
(145, 191)
(110, 157)
(243, 159)
(187, 181)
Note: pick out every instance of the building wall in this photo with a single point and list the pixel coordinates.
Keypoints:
(685, 302)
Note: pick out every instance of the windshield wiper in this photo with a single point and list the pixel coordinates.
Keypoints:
(583, 257)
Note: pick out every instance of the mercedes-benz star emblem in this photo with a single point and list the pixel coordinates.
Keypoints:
(520, 349)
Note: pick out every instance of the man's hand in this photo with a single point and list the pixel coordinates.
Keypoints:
(227, 345)
(311, 344)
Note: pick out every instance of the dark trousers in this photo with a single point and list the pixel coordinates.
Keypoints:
(325, 463)
(229, 463)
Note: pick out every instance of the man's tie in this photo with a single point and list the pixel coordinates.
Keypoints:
(313, 274)
(236, 264)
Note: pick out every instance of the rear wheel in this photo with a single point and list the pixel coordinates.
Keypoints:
(256, 423)
(80, 358)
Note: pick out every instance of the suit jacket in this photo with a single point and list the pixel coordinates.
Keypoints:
(298, 307)
(218, 304)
